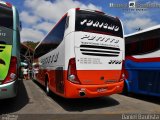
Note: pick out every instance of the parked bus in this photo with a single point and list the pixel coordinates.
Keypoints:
(143, 62)
(9, 50)
(82, 55)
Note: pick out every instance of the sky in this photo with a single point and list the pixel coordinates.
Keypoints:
(38, 17)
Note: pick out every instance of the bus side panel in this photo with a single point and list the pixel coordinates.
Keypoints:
(51, 76)
(56, 81)
(51, 69)
(132, 77)
(143, 75)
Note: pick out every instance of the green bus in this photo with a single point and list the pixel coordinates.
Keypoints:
(9, 50)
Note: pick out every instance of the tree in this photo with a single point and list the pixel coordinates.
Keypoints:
(31, 44)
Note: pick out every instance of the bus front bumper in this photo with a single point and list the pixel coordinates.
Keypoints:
(91, 91)
(8, 90)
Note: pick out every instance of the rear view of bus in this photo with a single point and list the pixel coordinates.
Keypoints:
(82, 55)
(9, 50)
(94, 63)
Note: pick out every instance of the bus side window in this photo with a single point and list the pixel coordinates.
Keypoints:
(142, 47)
(52, 40)
(67, 22)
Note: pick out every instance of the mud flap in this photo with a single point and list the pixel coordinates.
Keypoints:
(59, 80)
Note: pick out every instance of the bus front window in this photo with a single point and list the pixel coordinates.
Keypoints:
(6, 25)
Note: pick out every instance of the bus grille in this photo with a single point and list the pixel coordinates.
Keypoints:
(99, 50)
(149, 80)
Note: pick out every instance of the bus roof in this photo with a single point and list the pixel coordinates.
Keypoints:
(143, 31)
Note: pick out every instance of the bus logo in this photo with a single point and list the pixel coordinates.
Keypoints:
(132, 4)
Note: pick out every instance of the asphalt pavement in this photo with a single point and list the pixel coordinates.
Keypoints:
(32, 100)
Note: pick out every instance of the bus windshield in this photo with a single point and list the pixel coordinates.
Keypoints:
(98, 23)
(6, 17)
(6, 25)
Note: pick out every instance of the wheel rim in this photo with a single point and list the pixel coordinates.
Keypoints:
(47, 88)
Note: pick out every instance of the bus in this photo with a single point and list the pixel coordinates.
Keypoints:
(82, 55)
(142, 65)
(9, 50)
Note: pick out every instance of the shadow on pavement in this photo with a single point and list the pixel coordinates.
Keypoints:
(82, 104)
(15, 104)
(152, 99)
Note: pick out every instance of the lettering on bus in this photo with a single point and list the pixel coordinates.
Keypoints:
(97, 24)
(2, 33)
(115, 62)
(99, 44)
(103, 39)
(50, 59)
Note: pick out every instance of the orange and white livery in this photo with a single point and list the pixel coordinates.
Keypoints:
(82, 55)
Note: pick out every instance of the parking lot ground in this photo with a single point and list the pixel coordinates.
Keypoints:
(33, 100)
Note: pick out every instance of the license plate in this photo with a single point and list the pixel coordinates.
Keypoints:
(101, 89)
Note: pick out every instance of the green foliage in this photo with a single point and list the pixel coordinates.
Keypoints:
(31, 44)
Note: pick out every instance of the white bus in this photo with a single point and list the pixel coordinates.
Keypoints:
(82, 55)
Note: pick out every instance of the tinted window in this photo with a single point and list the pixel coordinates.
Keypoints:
(67, 22)
(52, 40)
(143, 47)
(98, 23)
(6, 17)
(6, 35)
(142, 43)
